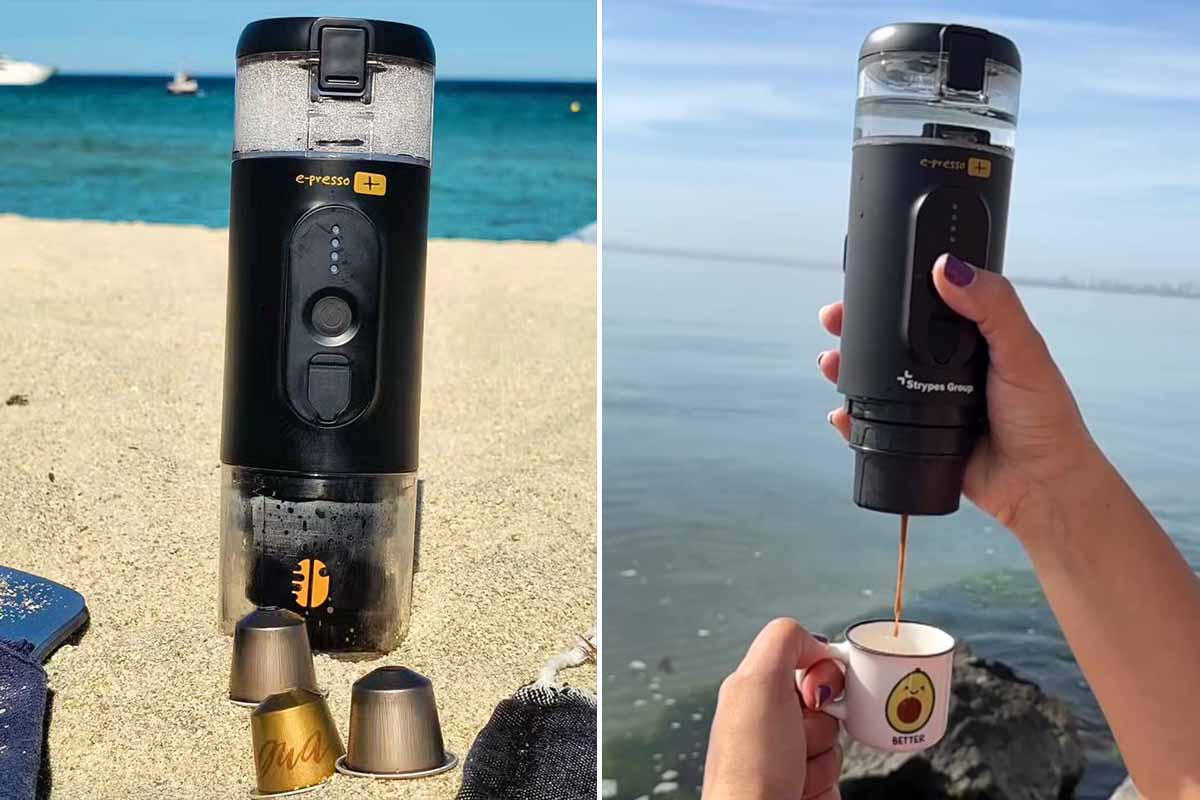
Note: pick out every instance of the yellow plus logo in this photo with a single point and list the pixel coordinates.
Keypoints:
(976, 168)
(370, 183)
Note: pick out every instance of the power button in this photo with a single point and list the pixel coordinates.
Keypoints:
(331, 316)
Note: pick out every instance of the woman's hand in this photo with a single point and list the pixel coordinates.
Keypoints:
(767, 742)
(1036, 436)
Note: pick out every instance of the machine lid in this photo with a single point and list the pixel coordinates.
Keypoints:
(934, 37)
(301, 34)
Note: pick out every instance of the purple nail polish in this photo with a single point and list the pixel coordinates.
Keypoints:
(823, 695)
(821, 638)
(958, 272)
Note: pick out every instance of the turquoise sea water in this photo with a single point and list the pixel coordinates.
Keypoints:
(726, 495)
(511, 161)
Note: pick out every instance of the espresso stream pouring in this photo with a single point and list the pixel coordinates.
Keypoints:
(327, 238)
(934, 131)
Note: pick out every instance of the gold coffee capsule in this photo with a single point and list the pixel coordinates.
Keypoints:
(270, 654)
(296, 743)
(394, 727)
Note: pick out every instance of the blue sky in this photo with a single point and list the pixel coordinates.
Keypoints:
(523, 39)
(727, 128)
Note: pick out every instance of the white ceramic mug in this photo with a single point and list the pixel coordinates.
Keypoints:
(897, 687)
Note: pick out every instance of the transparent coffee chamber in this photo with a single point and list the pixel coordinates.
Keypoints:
(278, 529)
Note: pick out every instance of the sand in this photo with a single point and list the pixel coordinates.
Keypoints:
(114, 332)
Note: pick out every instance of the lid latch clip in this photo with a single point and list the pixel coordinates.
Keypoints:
(341, 47)
(965, 51)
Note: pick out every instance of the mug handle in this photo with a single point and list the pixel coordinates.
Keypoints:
(840, 653)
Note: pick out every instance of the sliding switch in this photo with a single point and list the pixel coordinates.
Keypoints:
(329, 385)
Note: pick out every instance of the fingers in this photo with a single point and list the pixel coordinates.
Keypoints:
(822, 682)
(782, 646)
(829, 362)
(823, 774)
(839, 418)
(986, 298)
(989, 300)
(820, 732)
(831, 317)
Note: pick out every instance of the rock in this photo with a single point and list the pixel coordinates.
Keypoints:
(1126, 791)
(1005, 740)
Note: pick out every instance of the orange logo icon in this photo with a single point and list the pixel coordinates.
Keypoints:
(311, 586)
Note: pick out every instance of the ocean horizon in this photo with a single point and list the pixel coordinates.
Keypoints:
(1188, 289)
(511, 159)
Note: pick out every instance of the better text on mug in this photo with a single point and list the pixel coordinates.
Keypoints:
(897, 687)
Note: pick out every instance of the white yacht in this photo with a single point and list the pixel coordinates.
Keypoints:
(183, 84)
(23, 73)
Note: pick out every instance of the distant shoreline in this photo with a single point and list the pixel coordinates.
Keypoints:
(228, 76)
(9, 216)
(1188, 290)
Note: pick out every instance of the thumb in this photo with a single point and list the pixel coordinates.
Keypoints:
(821, 683)
(988, 299)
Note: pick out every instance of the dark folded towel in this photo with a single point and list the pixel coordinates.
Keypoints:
(22, 713)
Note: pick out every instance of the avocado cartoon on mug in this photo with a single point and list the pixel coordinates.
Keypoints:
(910, 703)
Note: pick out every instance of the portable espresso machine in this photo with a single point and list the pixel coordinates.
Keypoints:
(933, 149)
(327, 236)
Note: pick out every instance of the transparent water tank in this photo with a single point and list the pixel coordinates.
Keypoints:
(932, 81)
(279, 109)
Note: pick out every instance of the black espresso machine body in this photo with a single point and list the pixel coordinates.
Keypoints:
(931, 171)
(328, 231)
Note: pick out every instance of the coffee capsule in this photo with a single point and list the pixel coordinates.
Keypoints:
(296, 743)
(270, 655)
(394, 727)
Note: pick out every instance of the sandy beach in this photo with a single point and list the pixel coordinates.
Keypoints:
(114, 333)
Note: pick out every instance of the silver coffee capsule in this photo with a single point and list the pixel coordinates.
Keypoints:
(394, 727)
(270, 655)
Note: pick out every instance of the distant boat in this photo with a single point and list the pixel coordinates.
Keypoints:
(183, 84)
(23, 73)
